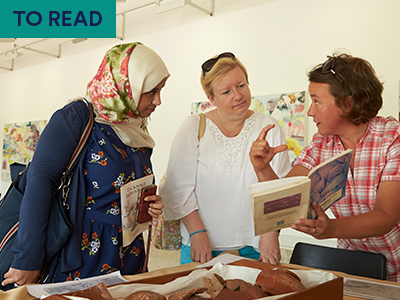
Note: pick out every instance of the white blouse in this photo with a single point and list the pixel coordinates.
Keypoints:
(213, 176)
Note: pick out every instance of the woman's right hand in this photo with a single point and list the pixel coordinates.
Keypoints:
(200, 247)
(20, 277)
(261, 154)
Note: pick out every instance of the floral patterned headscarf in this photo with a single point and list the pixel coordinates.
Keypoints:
(126, 72)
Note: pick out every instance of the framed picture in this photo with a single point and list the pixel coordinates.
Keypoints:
(289, 110)
(19, 143)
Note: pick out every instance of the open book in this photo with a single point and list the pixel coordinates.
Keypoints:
(279, 203)
(130, 193)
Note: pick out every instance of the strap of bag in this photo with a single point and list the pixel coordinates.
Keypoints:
(146, 259)
(8, 236)
(66, 177)
(202, 126)
(84, 137)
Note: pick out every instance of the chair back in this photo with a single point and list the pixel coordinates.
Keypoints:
(360, 263)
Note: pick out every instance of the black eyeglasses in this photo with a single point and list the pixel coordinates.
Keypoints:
(209, 64)
(328, 67)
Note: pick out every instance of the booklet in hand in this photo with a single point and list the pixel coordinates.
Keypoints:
(130, 196)
(277, 204)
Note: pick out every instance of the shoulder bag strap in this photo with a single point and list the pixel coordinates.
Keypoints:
(65, 179)
(84, 137)
(202, 126)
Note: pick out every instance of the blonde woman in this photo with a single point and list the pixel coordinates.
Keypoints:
(207, 182)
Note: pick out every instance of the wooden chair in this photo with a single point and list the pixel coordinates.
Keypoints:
(360, 263)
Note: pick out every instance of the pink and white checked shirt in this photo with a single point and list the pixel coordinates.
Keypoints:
(377, 158)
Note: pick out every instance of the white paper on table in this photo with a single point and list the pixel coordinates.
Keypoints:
(225, 259)
(195, 279)
(40, 290)
(68, 297)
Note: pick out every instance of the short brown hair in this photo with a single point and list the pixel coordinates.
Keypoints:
(221, 67)
(359, 81)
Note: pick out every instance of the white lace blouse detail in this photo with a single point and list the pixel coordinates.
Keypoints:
(231, 150)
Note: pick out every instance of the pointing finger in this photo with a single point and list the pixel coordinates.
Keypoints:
(264, 131)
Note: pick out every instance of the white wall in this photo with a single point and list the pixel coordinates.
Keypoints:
(278, 41)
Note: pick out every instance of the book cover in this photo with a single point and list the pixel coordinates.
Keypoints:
(328, 181)
(129, 199)
(277, 204)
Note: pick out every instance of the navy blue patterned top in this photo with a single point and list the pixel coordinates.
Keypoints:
(109, 164)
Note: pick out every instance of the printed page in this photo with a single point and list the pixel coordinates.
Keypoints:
(370, 290)
(280, 208)
(328, 181)
(129, 198)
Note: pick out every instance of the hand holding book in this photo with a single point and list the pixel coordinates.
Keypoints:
(316, 228)
(134, 219)
(279, 203)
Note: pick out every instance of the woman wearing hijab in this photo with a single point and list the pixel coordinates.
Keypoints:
(124, 92)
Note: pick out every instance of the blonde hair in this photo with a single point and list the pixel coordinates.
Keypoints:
(221, 67)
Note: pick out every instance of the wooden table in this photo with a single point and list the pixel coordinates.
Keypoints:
(21, 292)
(341, 274)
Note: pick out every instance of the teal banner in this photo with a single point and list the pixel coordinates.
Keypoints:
(58, 19)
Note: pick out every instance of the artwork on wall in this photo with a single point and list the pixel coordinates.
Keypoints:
(201, 107)
(19, 144)
(288, 109)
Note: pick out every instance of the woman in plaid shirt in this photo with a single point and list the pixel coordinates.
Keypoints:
(346, 96)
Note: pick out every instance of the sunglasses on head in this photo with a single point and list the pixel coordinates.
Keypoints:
(209, 64)
(328, 67)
